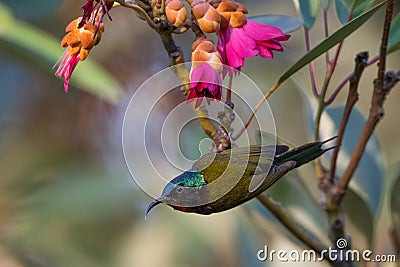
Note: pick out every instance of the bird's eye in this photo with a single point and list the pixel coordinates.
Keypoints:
(179, 189)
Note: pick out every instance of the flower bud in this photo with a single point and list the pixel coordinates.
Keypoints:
(242, 8)
(237, 19)
(176, 12)
(227, 6)
(232, 13)
(204, 51)
(207, 17)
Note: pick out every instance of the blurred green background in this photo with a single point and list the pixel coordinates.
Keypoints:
(66, 196)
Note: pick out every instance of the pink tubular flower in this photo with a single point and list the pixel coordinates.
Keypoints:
(91, 9)
(252, 39)
(205, 75)
(67, 66)
(88, 9)
(240, 38)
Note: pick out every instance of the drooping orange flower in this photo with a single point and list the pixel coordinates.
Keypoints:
(77, 43)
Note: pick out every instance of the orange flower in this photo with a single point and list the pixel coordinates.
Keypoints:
(77, 43)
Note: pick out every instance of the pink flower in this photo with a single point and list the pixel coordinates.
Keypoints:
(88, 9)
(205, 82)
(92, 8)
(249, 40)
(67, 66)
(205, 75)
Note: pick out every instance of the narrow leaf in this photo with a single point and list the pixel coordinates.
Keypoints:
(360, 6)
(286, 23)
(342, 12)
(394, 35)
(345, 8)
(308, 10)
(39, 49)
(348, 4)
(324, 4)
(331, 41)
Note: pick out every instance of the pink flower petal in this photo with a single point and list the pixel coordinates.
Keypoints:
(204, 82)
(237, 44)
(67, 66)
(261, 32)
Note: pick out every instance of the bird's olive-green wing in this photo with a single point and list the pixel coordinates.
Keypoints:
(243, 161)
(240, 174)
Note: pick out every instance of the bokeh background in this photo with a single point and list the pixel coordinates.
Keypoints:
(66, 196)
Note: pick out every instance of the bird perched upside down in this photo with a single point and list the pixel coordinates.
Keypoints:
(224, 180)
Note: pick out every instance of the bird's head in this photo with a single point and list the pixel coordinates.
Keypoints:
(183, 192)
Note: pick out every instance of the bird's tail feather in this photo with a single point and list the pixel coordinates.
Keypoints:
(303, 154)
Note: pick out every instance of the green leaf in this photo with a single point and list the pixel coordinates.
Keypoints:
(395, 204)
(394, 35)
(324, 4)
(40, 50)
(6, 17)
(360, 6)
(329, 42)
(367, 181)
(342, 12)
(308, 10)
(348, 4)
(286, 23)
(345, 8)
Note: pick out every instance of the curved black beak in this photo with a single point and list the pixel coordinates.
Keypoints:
(152, 205)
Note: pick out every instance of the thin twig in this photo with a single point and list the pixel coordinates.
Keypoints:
(227, 116)
(321, 105)
(382, 86)
(141, 11)
(197, 31)
(279, 212)
(311, 65)
(326, 31)
(345, 80)
(352, 97)
(229, 90)
(318, 116)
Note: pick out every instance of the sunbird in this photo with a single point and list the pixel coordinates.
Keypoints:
(223, 180)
